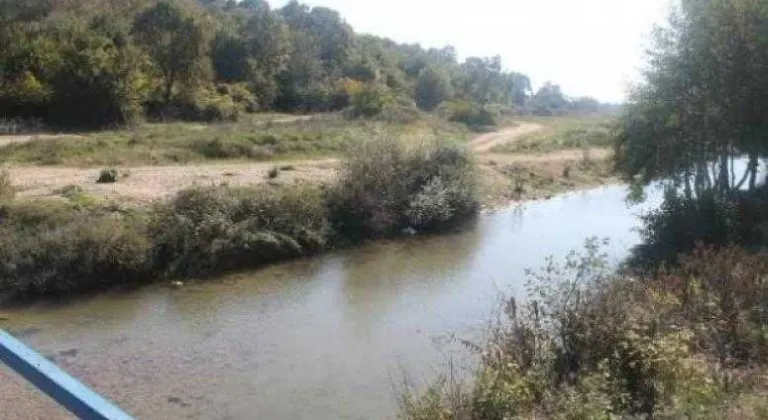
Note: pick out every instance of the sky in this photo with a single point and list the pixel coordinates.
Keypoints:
(589, 47)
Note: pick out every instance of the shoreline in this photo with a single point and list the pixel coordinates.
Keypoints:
(15, 304)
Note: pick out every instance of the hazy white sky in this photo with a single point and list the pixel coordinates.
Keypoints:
(589, 47)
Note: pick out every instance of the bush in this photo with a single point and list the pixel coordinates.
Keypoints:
(593, 344)
(682, 223)
(473, 115)
(48, 248)
(208, 230)
(370, 102)
(226, 148)
(385, 188)
(402, 110)
(201, 104)
(274, 172)
(7, 190)
(61, 246)
(107, 176)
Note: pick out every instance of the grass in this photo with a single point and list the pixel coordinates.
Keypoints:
(254, 137)
(563, 133)
(523, 180)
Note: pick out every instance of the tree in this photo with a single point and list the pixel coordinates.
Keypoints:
(481, 80)
(432, 87)
(585, 105)
(174, 40)
(548, 100)
(519, 88)
(268, 42)
(701, 105)
(230, 58)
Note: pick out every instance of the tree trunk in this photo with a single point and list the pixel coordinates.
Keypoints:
(722, 180)
(169, 82)
(752, 168)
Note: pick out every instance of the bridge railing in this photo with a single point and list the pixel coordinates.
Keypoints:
(57, 384)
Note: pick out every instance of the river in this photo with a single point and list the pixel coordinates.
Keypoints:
(327, 337)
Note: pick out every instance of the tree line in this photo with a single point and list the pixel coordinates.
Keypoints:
(100, 63)
(698, 125)
(702, 106)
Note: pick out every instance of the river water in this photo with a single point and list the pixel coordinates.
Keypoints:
(328, 337)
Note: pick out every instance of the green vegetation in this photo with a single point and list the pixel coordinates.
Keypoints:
(696, 127)
(204, 231)
(97, 64)
(700, 109)
(429, 188)
(679, 331)
(107, 176)
(252, 138)
(564, 133)
(56, 246)
(477, 118)
(592, 344)
(7, 191)
(532, 181)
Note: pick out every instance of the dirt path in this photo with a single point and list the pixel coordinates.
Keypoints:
(147, 183)
(487, 141)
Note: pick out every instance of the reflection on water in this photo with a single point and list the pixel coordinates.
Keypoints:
(315, 338)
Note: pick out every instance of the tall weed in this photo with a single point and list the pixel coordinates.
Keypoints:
(207, 230)
(590, 343)
(385, 188)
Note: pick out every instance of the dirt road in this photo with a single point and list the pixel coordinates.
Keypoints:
(147, 183)
(487, 141)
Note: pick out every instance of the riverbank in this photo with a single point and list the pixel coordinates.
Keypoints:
(384, 189)
(71, 230)
(257, 341)
(589, 343)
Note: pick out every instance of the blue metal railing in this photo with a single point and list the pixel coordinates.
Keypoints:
(57, 384)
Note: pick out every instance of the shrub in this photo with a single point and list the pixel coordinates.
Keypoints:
(219, 148)
(201, 104)
(53, 249)
(107, 176)
(7, 190)
(370, 102)
(385, 188)
(402, 110)
(207, 230)
(682, 223)
(471, 114)
(274, 172)
(593, 344)
(76, 195)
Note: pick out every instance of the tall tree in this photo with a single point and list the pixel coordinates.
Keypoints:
(548, 100)
(432, 87)
(481, 80)
(175, 42)
(701, 104)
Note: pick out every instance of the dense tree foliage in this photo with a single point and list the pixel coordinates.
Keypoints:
(98, 62)
(702, 105)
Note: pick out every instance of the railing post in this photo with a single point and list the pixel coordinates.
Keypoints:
(57, 384)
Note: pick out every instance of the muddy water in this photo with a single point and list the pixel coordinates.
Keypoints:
(320, 338)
